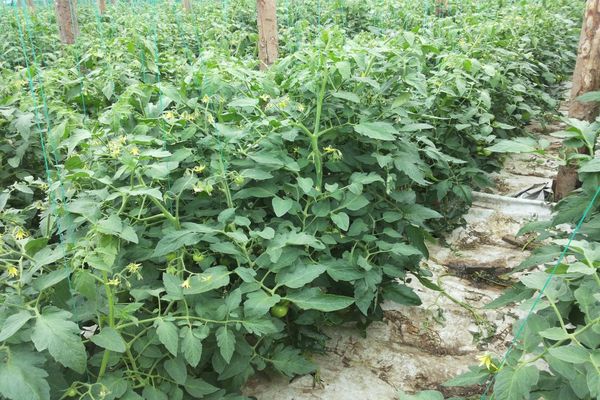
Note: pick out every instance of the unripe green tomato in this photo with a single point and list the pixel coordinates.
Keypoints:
(198, 257)
(279, 310)
(171, 256)
(72, 392)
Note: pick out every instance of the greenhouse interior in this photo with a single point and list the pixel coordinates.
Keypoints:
(300, 199)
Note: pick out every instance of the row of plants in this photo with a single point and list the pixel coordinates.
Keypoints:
(556, 350)
(174, 221)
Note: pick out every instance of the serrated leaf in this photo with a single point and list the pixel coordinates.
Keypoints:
(226, 342)
(177, 370)
(55, 332)
(571, 354)
(314, 299)
(296, 276)
(191, 346)
(515, 384)
(347, 96)
(289, 362)
(377, 130)
(258, 303)
(110, 339)
(168, 335)
(21, 377)
(198, 388)
(13, 323)
(212, 278)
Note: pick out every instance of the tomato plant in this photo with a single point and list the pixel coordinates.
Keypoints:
(174, 221)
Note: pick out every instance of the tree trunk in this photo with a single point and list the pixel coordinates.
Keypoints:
(102, 6)
(586, 78)
(441, 8)
(66, 16)
(187, 5)
(268, 41)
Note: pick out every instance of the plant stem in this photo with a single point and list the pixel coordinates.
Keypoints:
(111, 323)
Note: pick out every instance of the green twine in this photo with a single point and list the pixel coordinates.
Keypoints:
(541, 292)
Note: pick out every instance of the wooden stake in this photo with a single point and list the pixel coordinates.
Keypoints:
(268, 40)
(66, 16)
(102, 6)
(586, 78)
(187, 5)
(31, 6)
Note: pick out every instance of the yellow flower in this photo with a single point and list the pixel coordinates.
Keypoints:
(169, 115)
(203, 187)
(114, 282)
(301, 107)
(199, 168)
(335, 153)
(486, 360)
(133, 267)
(186, 284)
(134, 151)
(20, 233)
(12, 271)
(210, 119)
(123, 139)
(206, 99)
(265, 97)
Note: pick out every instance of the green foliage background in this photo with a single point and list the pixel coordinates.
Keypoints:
(155, 184)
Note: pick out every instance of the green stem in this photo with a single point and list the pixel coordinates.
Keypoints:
(111, 323)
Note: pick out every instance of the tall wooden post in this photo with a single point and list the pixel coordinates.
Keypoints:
(586, 78)
(31, 6)
(66, 16)
(187, 5)
(268, 40)
(102, 6)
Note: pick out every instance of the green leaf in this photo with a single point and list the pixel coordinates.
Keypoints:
(50, 279)
(341, 220)
(521, 145)
(555, 333)
(347, 96)
(263, 326)
(591, 166)
(55, 332)
(109, 339)
(289, 362)
(258, 303)
(401, 294)
(175, 240)
(198, 388)
(212, 278)
(168, 335)
(572, 354)
(191, 346)
(281, 206)
(226, 342)
(243, 102)
(177, 370)
(21, 377)
(13, 324)
(296, 276)
(306, 184)
(469, 378)
(377, 130)
(314, 299)
(515, 384)
(424, 395)
(152, 393)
